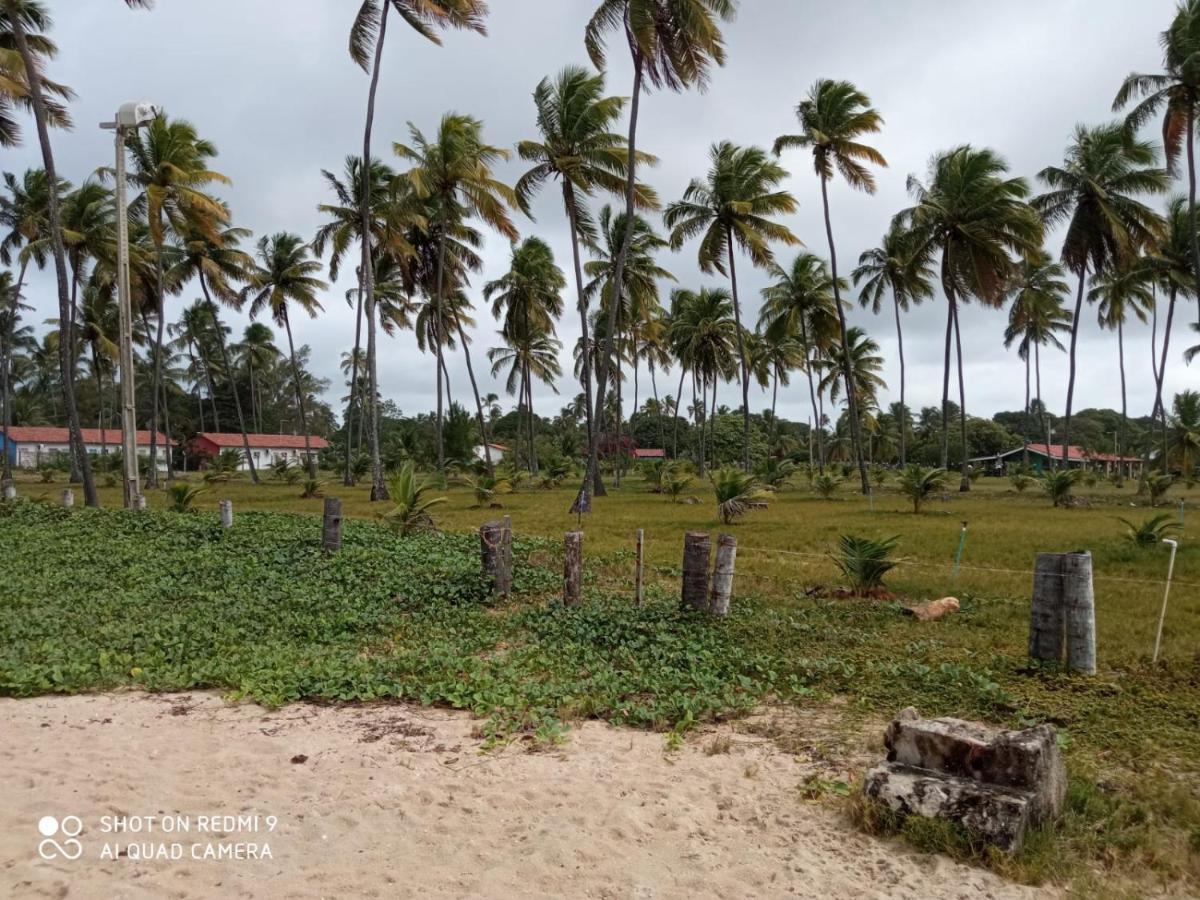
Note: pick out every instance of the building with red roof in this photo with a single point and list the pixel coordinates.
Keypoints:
(30, 446)
(265, 449)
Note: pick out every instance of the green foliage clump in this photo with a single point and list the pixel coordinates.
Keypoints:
(918, 483)
(735, 491)
(1152, 530)
(183, 496)
(864, 561)
(774, 474)
(1058, 485)
(826, 485)
(410, 494)
(1158, 483)
(312, 488)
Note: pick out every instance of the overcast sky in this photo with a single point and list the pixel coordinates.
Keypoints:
(270, 82)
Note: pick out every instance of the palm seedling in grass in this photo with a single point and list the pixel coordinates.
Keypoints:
(1059, 484)
(775, 474)
(1021, 479)
(1152, 531)
(312, 488)
(654, 472)
(879, 473)
(485, 487)
(864, 561)
(918, 483)
(285, 471)
(676, 481)
(410, 492)
(1158, 483)
(736, 491)
(183, 496)
(826, 485)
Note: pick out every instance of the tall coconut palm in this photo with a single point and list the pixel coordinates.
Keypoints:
(865, 366)
(799, 303)
(1185, 433)
(1175, 93)
(974, 217)
(673, 44)
(734, 206)
(1093, 193)
(703, 340)
(32, 52)
(578, 148)
(194, 333)
(893, 267)
(14, 86)
(528, 355)
(833, 118)
(12, 335)
(285, 277)
(367, 37)
(1034, 319)
(1123, 293)
(171, 165)
(256, 352)
(453, 173)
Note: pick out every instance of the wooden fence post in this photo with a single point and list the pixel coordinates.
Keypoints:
(697, 546)
(506, 549)
(1079, 609)
(10, 491)
(722, 580)
(331, 525)
(573, 568)
(638, 592)
(1046, 615)
(226, 508)
(139, 502)
(492, 556)
(68, 498)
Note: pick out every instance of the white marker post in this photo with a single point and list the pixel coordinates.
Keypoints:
(1162, 616)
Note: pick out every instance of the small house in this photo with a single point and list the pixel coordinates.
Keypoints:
(265, 449)
(32, 446)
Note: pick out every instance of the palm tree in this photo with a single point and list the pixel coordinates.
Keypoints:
(1176, 93)
(579, 148)
(894, 268)
(834, 118)
(1036, 316)
(1185, 427)
(1121, 293)
(14, 86)
(975, 217)
(195, 329)
(800, 303)
(528, 355)
(733, 207)
(256, 352)
(1093, 194)
(32, 53)
(12, 335)
(286, 277)
(219, 265)
(702, 339)
(865, 365)
(673, 44)
(453, 173)
(367, 36)
(171, 165)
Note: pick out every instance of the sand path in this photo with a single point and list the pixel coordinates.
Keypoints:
(397, 801)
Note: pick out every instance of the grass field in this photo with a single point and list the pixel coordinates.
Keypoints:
(1131, 733)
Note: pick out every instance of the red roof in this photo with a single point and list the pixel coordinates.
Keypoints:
(45, 434)
(233, 439)
(649, 453)
(1076, 453)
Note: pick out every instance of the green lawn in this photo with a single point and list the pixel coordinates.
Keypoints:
(169, 601)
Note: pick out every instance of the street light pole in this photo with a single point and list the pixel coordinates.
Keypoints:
(129, 118)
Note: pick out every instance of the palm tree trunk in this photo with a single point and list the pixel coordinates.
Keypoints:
(678, 400)
(347, 473)
(33, 77)
(946, 377)
(712, 424)
(5, 362)
(67, 332)
(1124, 406)
(311, 464)
(847, 374)
(533, 459)
(379, 489)
(774, 401)
(903, 408)
(167, 431)
(437, 340)
(199, 395)
(1159, 406)
(156, 382)
(812, 394)
(237, 400)
(700, 409)
(662, 435)
(1037, 368)
(964, 483)
(483, 434)
(741, 343)
(1066, 444)
(1191, 158)
(573, 221)
(618, 279)
(1025, 430)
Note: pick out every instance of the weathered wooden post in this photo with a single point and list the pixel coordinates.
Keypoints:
(1079, 608)
(573, 568)
(68, 498)
(10, 490)
(722, 580)
(139, 502)
(496, 565)
(1045, 618)
(697, 546)
(226, 508)
(506, 549)
(638, 592)
(331, 525)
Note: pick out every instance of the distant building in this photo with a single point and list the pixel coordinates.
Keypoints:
(265, 449)
(499, 452)
(1041, 455)
(31, 446)
(649, 453)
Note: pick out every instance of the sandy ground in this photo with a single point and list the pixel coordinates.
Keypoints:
(397, 801)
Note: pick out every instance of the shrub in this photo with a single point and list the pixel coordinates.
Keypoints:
(864, 561)
(312, 488)
(285, 471)
(1158, 483)
(183, 496)
(735, 490)
(879, 473)
(1059, 483)
(411, 512)
(1151, 531)
(676, 481)
(918, 483)
(1021, 478)
(775, 474)
(826, 485)
(47, 474)
(484, 487)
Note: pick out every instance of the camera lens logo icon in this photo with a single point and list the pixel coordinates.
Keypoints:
(69, 828)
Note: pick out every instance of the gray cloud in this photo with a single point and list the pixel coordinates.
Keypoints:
(271, 84)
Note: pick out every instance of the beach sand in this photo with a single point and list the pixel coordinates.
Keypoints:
(397, 801)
